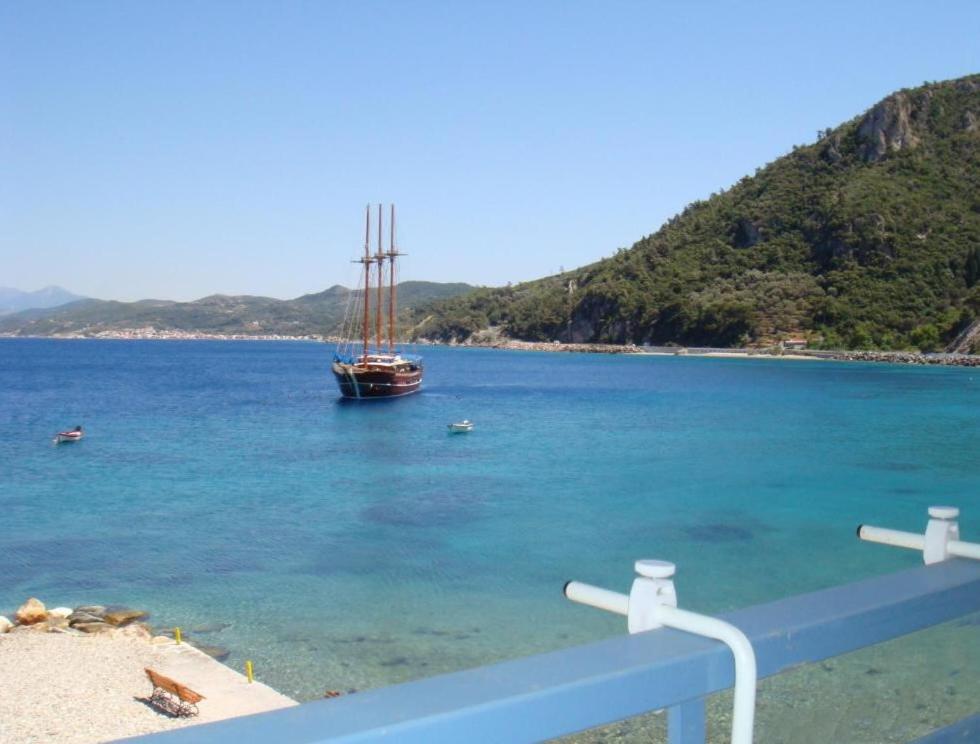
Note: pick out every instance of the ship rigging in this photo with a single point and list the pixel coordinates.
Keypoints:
(381, 372)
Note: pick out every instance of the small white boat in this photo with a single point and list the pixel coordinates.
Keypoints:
(68, 436)
(461, 426)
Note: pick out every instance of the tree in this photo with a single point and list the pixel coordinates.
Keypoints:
(972, 270)
(925, 338)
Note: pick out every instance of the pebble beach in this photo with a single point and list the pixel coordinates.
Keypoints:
(80, 686)
(77, 690)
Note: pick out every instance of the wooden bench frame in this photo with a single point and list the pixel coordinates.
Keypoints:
(171, 696)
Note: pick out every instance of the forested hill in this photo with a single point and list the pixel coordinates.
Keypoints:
(868, 238)
(321, 313)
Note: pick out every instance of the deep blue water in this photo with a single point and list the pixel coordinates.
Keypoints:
(224, 487)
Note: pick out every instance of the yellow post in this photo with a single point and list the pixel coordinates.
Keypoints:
(248, 672)
(177, 634)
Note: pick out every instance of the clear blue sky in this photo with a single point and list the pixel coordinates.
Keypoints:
(176, 149)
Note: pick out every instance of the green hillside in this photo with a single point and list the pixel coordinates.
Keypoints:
(314, 314)
(868, 238)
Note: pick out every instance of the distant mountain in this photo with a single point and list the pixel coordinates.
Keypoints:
(14, 300)
(321, 313)
(868, 238)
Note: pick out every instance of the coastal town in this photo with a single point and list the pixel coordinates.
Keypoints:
(775, 352)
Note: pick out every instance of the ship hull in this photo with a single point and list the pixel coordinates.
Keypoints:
(358, 383)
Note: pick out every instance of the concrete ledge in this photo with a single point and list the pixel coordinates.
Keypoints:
(226, 692)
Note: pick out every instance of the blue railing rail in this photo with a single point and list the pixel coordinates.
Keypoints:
(562, 692)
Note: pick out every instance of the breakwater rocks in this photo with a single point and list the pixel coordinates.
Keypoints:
(34, 617)
(889, 357)
(556, 346)
(898, 357)
(495, 340)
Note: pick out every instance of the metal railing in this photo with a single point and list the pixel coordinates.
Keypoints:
(566, 691)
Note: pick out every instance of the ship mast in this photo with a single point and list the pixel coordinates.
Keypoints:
(367, 275)
(392, 290)
(379, 309)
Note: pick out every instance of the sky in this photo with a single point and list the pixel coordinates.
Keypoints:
(178, 149)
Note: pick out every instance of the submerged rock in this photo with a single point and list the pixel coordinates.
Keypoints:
(398, 661)
(219, 653)
(718, 532)
(31, 612)
(210, 628)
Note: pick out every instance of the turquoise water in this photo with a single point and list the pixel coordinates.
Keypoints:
(224, 487)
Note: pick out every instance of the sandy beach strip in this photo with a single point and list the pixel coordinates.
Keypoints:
(93, 688)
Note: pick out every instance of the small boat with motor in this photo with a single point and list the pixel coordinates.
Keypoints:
(461, 426)
(68, 436)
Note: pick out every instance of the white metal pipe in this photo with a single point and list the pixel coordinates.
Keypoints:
(892, 537)
(964, 549)
(595, 596)
(915, 541)
(745, 668)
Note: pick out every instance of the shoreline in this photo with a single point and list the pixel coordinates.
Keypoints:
(91, 659)
(886, 357)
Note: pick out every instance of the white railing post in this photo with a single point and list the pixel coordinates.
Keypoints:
(652, 603)
(941, 529)
(940, 542)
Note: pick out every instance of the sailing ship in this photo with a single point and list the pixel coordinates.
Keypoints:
(381, 371)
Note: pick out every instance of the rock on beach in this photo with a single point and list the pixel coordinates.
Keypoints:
(80, 616)
(123, 617)
(95, 627)
(31, 612)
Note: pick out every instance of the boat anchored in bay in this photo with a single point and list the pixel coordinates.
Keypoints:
(381, 372)
(74, 435)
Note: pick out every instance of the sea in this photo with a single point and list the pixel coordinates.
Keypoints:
(224, 487)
